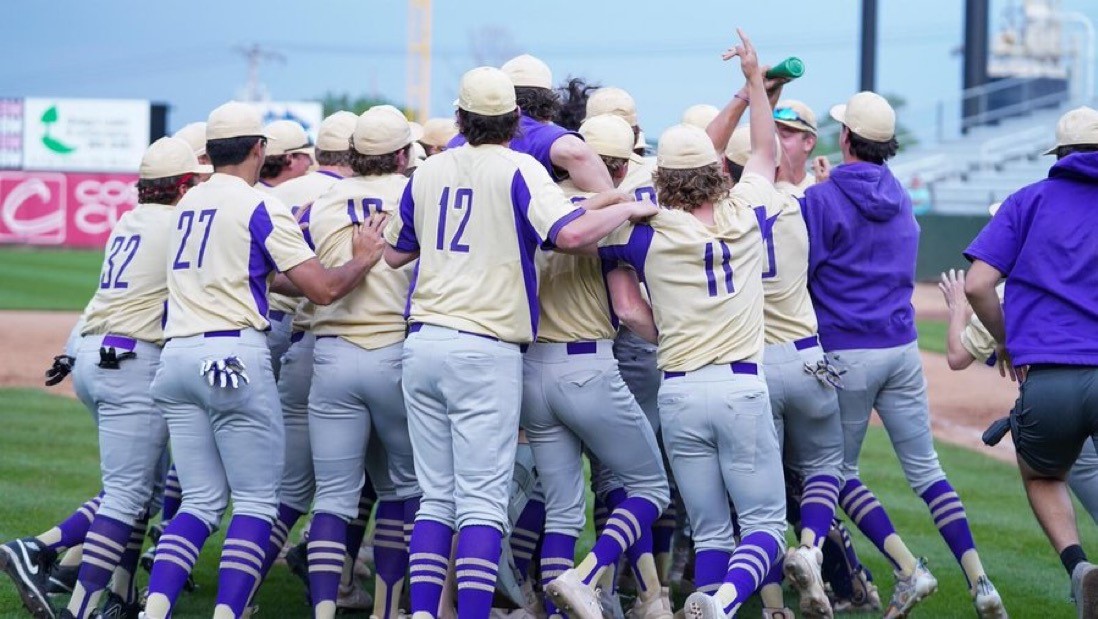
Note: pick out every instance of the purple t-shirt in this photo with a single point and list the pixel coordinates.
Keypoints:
(535, 138)
(1044, 239)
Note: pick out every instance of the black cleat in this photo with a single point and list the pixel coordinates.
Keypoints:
(298, 561)
(62, 579)
(117, 608)
(27, 563)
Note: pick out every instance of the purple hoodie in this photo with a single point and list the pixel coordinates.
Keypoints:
(535, 138)
(863, 240)
(1044, 239)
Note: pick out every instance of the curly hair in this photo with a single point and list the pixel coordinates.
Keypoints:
(573, 106)
(688, 189)
(870, 151)
(166, 190)
(274, 165)
(537, 103)
(376, 165)
(332, 157)
(479, 129)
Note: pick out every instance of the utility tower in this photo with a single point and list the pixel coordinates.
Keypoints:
(419, 59)
(255, 90)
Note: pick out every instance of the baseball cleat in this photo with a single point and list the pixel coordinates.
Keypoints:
(27, 562)
(702, 606)
(802, 568)
(778, 613)
(989, 605)
(353, 598)
(571, 595)
(117, 608)
(62, 579)
(610, 602)
(910, 591)
(655, 607)
(1084, 589)
(865, 596)
(298, 561)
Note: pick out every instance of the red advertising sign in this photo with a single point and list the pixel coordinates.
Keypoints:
(63, 209)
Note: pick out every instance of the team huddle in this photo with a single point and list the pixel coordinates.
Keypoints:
(431, 327)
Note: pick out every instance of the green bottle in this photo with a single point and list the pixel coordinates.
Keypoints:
(790, 68)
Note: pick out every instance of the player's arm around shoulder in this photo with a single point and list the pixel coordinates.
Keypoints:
(324, 286)
(401, 240)
(584, 166)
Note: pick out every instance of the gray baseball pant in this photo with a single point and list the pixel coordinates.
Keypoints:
(720, 437)
(133, 435)
(463, 393)
(573, 396)
(278, 337)
(227, 443)
(891, 381)
(294, 381)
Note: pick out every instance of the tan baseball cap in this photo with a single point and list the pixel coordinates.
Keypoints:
(235, 120)
(381, 130)
(700, 115)
(335, 131)
(486, 91)
(684, 147)
(608, 135)
(796, 115)
(417, 130)
(439, 131)
(419, 155)
(169, 157)
(869, 115)
(1078, 126)
(738, 149)
(612, 100)
(195, 135)
(525, 70)
(289, 137)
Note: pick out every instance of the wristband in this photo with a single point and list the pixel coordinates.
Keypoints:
(742, 98)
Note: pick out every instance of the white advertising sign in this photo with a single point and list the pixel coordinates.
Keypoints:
(85, 135)
(308, 113)
(11, 133)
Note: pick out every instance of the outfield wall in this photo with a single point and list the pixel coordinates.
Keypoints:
(943, 239)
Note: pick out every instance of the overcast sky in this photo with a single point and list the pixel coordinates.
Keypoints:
(664, 52)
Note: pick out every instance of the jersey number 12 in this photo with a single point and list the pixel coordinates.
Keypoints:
(463, 201)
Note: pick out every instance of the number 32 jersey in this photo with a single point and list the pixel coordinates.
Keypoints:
(705, 282)
(227, 242)
(372, 315)
(476, 214)
(133, 284)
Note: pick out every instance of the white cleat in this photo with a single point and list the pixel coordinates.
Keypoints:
(802, 568)
(989, 605)
(654, 607)
(778, 613)
(572, 596)
(910, 591)
(702, 606)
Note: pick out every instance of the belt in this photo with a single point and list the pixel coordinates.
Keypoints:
(811, 341)
(278, 315)
(739, 367)
(225, 333)
(297, 336)
(581, 348)
(118, 342)
(416, 326)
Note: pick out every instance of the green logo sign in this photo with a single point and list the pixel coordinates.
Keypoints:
(49, 117)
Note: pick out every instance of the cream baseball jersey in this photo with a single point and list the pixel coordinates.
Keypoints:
(976, 339)
(796, 189)
(277, 302)
(705, 282)
(788, 311)
(572, 296)
(372, 315)
(133, 286)
(476, 215)
(227, 242)
(298, 192)
(638, 180)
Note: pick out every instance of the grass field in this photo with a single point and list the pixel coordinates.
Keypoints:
(932, 335)
(48, 466)
(47, 279)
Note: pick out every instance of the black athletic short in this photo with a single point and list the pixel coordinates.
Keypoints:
(1056, 411)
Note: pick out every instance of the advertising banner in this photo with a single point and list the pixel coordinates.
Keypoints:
(84, 135)
(308, 113)
(63, 209)
(11, 133)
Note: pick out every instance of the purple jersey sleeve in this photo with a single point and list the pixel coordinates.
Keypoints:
(407, 241)
(634, 252)
(999, 243)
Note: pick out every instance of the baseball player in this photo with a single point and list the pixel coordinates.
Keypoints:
(800, 383)
(561, 152)
(288, 157)
(863, 237)
(215, 385)
(437, 133)
(569, 373)
(472, 309)
(701, 257)
(700, 115)
(356, 393)
(1041, 240)
(796, 123)
(194, 134)
(968, 341)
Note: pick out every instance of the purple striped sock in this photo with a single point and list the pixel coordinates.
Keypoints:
(663, 532)
(840, 536)
(176, 554)
(558, 553)
(710, 567)
(246, 542)
(429, 560)
(411, 508)
(949, 516)
(625, 526)
(526, 534)
(750, 562)
(600, 512)
(280, 531)
(818, 501)
(643, 546)
(327, 550)
(859, 502)
(128, 563)
(390, 552)
(173, 496)
(104, 545)
(75, 527)
(477, 565)
(774, 574)
(356, 529)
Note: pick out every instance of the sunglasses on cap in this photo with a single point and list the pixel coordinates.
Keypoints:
(789, 114)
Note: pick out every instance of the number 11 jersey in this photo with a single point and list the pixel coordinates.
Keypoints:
(227, 242)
